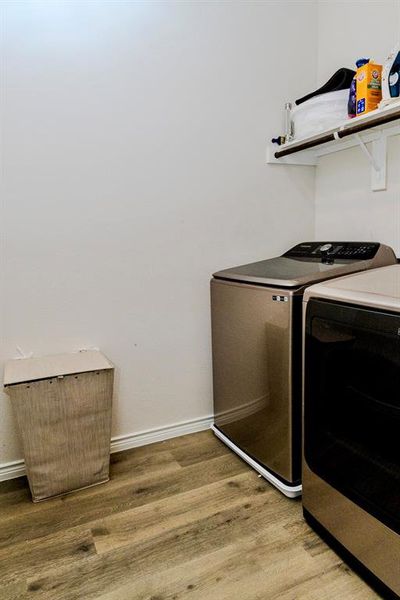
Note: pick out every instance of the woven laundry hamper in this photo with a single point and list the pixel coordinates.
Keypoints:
(63, 405)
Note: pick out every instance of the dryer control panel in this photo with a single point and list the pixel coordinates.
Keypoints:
(340, 250)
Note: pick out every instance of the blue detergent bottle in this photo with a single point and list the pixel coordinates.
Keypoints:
(394, 78)
(352, 105)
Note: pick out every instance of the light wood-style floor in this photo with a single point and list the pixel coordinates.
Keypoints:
(179, 519)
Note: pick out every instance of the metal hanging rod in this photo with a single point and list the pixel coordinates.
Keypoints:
(344, 131)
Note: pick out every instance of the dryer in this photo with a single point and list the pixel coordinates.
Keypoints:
(257, 356)
(351, 467)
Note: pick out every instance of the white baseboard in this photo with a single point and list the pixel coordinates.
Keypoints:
(125, 442)
(16, 468)
(12, 470)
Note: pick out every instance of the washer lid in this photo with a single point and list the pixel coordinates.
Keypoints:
(290, 272)
(377, 288)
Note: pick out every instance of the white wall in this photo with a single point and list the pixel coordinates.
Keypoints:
(345, 206)
(134, 137)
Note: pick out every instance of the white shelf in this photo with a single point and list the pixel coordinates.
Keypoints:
(373, 129)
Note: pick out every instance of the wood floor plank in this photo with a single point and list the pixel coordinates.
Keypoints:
(204, 577)
(176, 546)
(88, 505)
(199, 450)
(183, 519)
(132, 526)
(123, 470)
(185, 441)
(124, 464)
(149, 520)
(19, 500)
(337, 583)
(28, 558)
(13, 591)
(170, 548)
(12, 487)
(248, 569)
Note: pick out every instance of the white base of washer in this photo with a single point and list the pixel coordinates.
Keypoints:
(291, 491)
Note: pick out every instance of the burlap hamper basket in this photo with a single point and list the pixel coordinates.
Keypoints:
(63, 405)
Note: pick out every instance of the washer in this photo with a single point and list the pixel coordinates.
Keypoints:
(256, 346)
(351, 468)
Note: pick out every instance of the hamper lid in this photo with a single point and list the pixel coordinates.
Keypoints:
(44, 367)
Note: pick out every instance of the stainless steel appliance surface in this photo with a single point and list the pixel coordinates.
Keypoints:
(257, 357)
(351, 463)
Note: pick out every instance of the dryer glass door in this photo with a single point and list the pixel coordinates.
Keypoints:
(352, 404)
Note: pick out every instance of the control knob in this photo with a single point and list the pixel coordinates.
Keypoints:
(324, 249)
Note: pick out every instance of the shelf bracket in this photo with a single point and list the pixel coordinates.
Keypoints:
(377, 158)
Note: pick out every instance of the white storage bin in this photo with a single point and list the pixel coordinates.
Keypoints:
(320, 113)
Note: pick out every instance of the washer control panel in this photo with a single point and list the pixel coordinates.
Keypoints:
(342, 250)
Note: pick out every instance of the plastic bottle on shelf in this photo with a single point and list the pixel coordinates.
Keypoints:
(352, 105)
